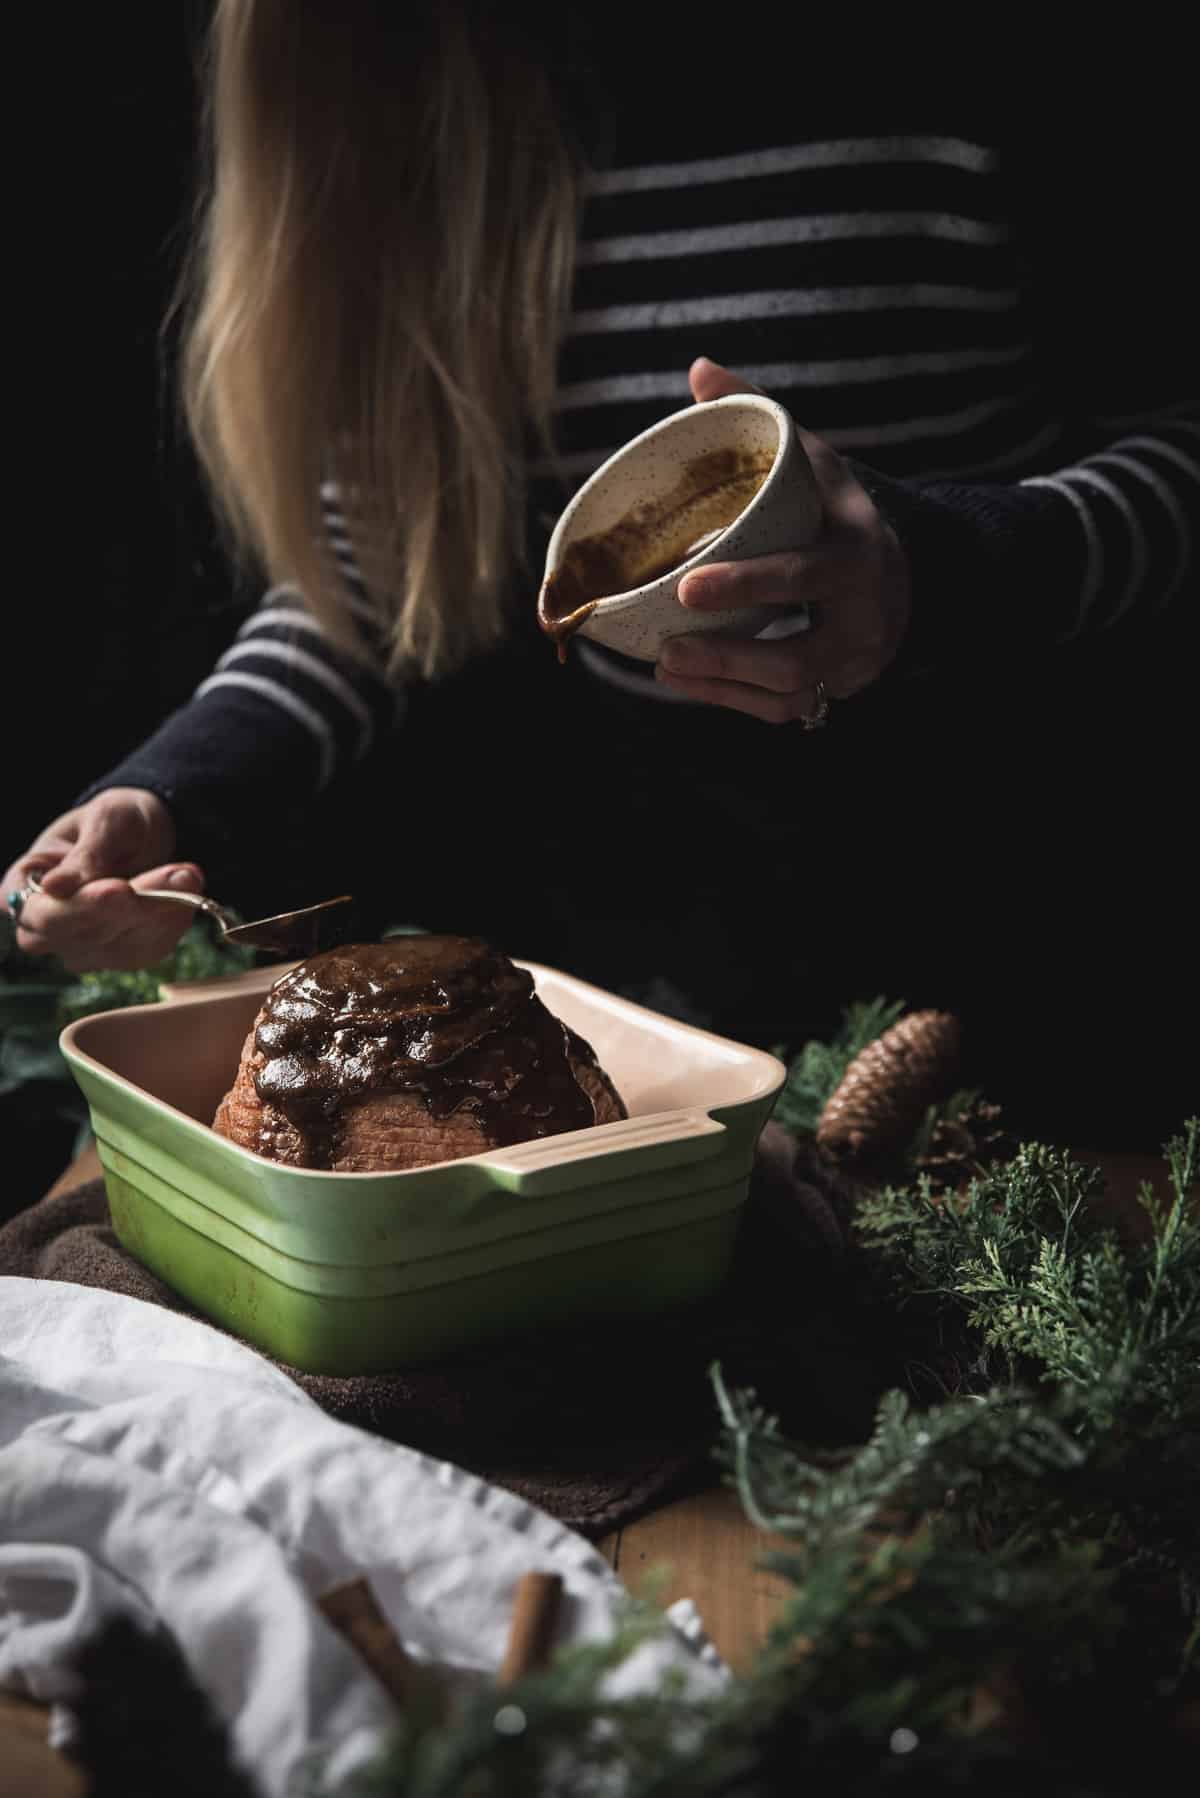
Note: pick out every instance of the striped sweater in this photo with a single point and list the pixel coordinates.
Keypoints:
(945, 309)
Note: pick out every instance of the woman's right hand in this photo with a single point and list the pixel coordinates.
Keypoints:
(88, 863)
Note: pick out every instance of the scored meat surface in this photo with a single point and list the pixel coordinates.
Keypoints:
(378, 1132)
(419, 1050)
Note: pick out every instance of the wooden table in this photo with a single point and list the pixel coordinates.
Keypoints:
(700, 1547)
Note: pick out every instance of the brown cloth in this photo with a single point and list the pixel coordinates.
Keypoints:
(599, 1424)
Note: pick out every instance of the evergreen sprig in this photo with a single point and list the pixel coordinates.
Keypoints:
(912, 1459)
(1023, 1268)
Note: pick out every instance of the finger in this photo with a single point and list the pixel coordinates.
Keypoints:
(30, 942)
(786, 666)
(109, 840)
(30, 865)
(833, 473)
(62, 878)
(756, 702)
(45, 854)
(711, 381)
(796, 577)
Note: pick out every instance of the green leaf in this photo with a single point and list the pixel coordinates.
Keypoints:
(28, 1005)
(107, 991)
(26, 1056)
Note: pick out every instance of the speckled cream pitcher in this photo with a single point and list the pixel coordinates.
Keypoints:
(719, 482)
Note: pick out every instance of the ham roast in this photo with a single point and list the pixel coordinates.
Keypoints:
(399, 1054)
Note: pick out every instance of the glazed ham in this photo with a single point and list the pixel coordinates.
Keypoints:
(405, 1053)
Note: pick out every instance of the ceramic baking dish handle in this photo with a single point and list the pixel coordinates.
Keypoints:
(665, 1139)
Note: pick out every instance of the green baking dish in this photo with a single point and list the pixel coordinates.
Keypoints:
(359, 1273)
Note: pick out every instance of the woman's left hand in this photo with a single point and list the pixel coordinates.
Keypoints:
(854, 579)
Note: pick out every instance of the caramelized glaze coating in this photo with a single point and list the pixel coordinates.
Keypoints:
(405, 1053)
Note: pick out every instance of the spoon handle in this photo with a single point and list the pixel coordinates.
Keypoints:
(195, 901)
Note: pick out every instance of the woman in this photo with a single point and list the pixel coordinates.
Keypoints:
(453, 256)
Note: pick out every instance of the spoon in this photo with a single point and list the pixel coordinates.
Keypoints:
(289, 932)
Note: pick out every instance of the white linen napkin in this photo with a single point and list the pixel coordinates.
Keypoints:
(153, 1467)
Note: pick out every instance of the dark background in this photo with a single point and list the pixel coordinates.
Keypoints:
(120, 596)
(1044, 831)
(132, 598)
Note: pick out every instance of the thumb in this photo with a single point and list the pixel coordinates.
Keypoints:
(179, 877)
(711, 381)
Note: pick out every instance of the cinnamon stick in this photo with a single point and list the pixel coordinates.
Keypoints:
(535, 1611)
(354, 1612)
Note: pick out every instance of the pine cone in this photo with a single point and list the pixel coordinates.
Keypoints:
(885, 1091)
(962, 1147)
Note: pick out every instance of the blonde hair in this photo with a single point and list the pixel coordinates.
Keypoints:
(376, 295)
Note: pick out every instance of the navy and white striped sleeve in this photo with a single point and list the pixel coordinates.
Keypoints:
(333, 707)
(1107, 539)
(1115, 300)
(1103, 535)
(284, 712)
(1135, 503)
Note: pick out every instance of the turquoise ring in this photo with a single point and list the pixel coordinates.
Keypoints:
(19, 896)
